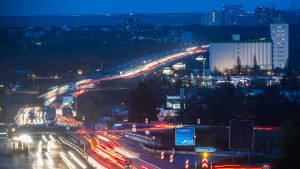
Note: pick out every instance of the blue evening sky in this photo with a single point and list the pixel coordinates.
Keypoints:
(53, 7)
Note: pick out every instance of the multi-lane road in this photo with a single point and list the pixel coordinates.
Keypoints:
(109, 150)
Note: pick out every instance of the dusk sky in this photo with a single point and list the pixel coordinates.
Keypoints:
(53, 7)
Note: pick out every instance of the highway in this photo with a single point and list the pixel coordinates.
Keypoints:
(127, 70)
(109, 150)
(115, 149)
(30, 115)
(131, 69)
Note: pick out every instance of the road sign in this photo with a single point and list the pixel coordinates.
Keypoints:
(133, 128)
(204, 163)
(205, 149)
(266, 166)
(146, 120)
(128, 161)
(184, 136)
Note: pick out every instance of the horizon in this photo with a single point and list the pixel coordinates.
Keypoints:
(94, 7)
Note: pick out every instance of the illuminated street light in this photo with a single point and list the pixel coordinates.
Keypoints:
(205, 154)
(33, 76)
(203, 59)
(79, 72)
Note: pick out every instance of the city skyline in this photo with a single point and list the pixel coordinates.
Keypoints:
(56, 7)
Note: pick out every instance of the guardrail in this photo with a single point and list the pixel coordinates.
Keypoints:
(75, 147)
(141, 139)
(89, 159)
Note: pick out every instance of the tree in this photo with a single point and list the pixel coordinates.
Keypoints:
(142, 104)
(255, 69)
(238, 66)
(216, 71)
(289, 157)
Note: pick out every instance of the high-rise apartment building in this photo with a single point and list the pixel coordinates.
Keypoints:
(230, 12)
(131, 24)
(265, 15)
(211, 18)
(280, 36)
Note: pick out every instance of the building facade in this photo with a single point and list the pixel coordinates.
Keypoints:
(131, 24)
(213, 18)
(186, 37)
(280, 36)
(224, 54)
(230, 13)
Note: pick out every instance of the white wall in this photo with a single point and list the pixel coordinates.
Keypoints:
(224, 55)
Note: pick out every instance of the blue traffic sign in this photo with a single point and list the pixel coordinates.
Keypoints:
(205, 149)
(184, 136)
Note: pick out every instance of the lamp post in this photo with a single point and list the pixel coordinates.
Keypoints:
(203, 59)
(79, 72)
(33, 76)
(269, 73)
(153, 138)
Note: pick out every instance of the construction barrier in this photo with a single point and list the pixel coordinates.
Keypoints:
(171, 158)
(204, 163)
(186, 164)
(162, 155)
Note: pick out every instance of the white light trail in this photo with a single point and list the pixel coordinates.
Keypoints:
(49, 158)
(77, 160)
(51, 137)
(66, 160)
(40, 147)
(44, 138)
(39, 157)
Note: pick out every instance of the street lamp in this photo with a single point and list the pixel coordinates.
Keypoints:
(203, 59)
(33, 76)
(79, 72)
(153, 138)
